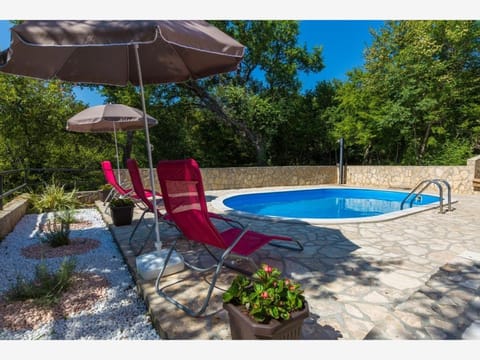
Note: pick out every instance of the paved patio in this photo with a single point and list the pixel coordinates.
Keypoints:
(415, 277)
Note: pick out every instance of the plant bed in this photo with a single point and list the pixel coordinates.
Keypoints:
(77, 246)
(83, 310)
(85, 291)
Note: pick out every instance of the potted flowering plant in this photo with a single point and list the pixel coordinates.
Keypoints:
(265, 306)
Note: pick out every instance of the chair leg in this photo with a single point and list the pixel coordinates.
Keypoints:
(135, 229)
(109, 196)
(186, 309)
(218, 268)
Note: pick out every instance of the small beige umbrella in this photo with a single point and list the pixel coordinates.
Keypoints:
(109, 118)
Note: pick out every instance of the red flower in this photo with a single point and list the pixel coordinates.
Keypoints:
(267, 268)
(264, 295)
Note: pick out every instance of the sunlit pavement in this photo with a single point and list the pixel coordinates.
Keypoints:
(415, 277)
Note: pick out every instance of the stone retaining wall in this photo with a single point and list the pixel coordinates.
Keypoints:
(407, 177)
(11, 214)
(250, 177)
(460, 178)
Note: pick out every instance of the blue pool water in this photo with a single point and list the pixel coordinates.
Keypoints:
(327, 203)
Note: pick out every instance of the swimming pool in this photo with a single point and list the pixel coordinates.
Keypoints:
(325, 204)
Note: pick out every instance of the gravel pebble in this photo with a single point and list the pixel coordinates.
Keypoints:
(123, 315)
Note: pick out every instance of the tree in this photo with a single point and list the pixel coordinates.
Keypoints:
(33, 116)
(306, 136)
(417, 101)
(245, 104)
(267, 74)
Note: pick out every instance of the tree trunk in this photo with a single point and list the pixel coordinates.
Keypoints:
(423, 145)
(261, 152)
(127, 148)
(212, 104)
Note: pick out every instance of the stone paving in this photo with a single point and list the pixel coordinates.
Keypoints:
(415, 277)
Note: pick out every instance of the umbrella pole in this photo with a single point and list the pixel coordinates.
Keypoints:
(158, 243)
(164, 261)
(116, 154)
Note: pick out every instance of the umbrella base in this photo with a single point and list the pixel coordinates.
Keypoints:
(149, 265)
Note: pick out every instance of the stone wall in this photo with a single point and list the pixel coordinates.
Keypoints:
(406, 177)
(460, 178)
(475, 163)
(12, 212)
(250, 177)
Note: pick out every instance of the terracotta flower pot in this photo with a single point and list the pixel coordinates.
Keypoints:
(243, 327)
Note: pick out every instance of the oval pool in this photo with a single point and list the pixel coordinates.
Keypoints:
(325, 205)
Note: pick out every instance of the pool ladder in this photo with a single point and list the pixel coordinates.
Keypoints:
(417, 190)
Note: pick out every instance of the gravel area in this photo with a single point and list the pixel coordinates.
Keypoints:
(119, 313)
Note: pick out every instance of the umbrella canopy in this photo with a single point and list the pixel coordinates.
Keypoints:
(102, 52)
(109, 118)
(121, 53)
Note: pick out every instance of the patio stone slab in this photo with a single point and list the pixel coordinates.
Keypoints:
(415, 277)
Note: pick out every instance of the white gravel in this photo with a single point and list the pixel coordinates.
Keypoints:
(123, 315)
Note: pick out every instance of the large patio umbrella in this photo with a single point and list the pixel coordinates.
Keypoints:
(121, 53)
(109, 118)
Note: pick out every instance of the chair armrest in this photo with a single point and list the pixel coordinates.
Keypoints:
(229, 221)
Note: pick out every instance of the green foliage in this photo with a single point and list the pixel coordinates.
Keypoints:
(53, 197)
(415, 101)
(305, 136)
(47, 287)
(106, 187)
(56, 231)
(216, 144)
(121, 202)
(33, 115)
(273, 52)
(266, 295)
(418, 95)
(453, 152)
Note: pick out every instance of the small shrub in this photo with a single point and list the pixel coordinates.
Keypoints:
(119, 202)
(53, 197)
(56, 231)
(46, 288)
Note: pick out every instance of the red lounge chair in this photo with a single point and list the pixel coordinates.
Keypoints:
(111, 179)
(185, 202)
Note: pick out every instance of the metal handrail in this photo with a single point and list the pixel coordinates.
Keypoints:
(426, 184)
(5, 194)
(449, 192)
